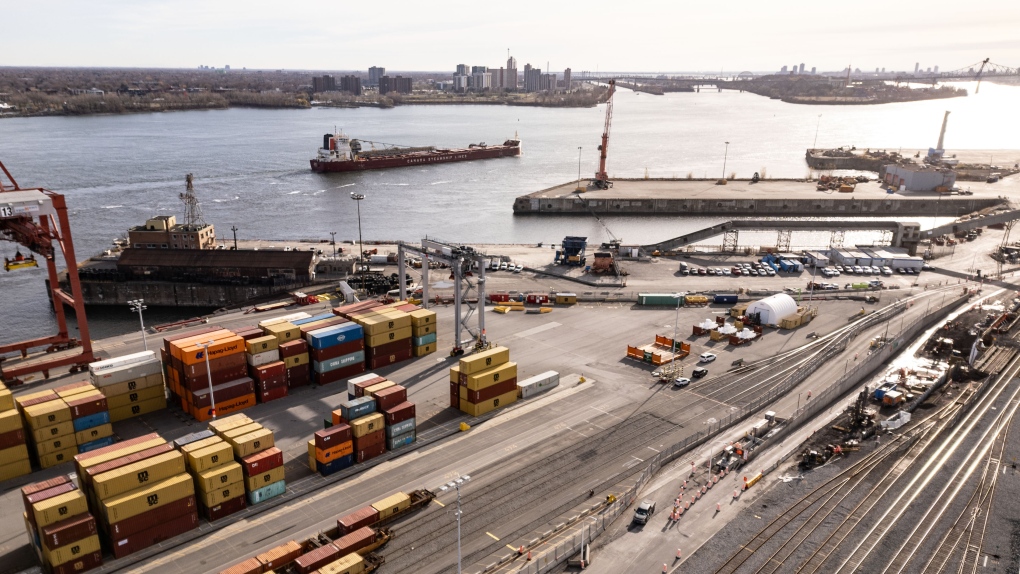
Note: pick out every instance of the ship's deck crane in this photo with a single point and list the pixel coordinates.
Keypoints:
(601, 180)
(980, 70)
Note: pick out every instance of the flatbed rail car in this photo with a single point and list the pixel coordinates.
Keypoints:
(659, 352)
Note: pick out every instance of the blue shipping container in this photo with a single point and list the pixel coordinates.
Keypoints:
(335, 465)
(400, 428)
(313, 319)
(357, 408)
(330, 336)
(266, 492)
(85, 447)
(726, 299)
(90, 421)
(339, 362)
(400, 440)
(427, 339)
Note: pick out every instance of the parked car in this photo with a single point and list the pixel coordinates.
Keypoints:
(518, 269)
(886, 270)
(699, 372)
(644, 511)
(502, 266)
(702, 271)
(858, 270)
(706, 357)
(494, 265)
(761, 273)
(681, 382)
(770, 272)
(901, 271)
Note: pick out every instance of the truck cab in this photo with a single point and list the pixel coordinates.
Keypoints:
(644, 511)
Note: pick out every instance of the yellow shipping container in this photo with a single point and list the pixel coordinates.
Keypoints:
(58, 508)
(122, 450)
(56, 445)
(219, 477)
(566, 299)
(479, 362)
(423, 330)
(143, 499)
(137, 475)
(53, 432)
(221, 494)
(231, 422)
(6, 399)
(455, 375)
(72, 551)
(425, 350)
(296, 360)
(392, 505)
(241, 430)
(133, 397)
(367, 424)
(253, 442)
(384, 337)
(17, 468)
(371, 391)
(59, 457)
(137, 409)
(13, 455)
(489, 405)
(94, 433)
(9, 421)
(47, 414)
(200, 444)
(261, 345)
(379, 323)
(422, 317)
(283, 332)
(350, 564)
(209, 457)
(265, 479)
(73, 392)
(154, 380)
(486, 379)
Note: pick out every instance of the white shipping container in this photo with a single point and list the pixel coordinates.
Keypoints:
(292, 317)
(129, 372)
(107, 364)
(264, 358)
(358, 379)
(377, 259)
(537, 384)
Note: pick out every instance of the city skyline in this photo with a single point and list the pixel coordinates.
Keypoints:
(648, 37)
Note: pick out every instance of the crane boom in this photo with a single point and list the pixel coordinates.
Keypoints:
(981, 69)
(601, 177)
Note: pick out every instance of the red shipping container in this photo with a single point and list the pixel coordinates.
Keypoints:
(315, 559)
(305, 329)
(491, 392)
(499, 297)
(67, 531)
(347, 310)
(222, 509)
(87, 406)
(339, 374)
(379, 362)
(293, 348)
(42, 495)
(225, 392)
(81, 564)
(355, 541)
(359, 388)
(337, 350)
(251, 333)
(371, 439)
(390, 397)
(281, 555)
(249, 566)
(271, 383)
(274, 369)
(455, 395)
(49, 396)
(366, 516)
(218, 378)
(152, 518)
(40, 486)
(334, 435)
(261, 462)
(219, 364)
(272, 394)
(394, 347)
(408, 308)
(12, 438)
(163, 531)
(402, 412)
(115, 447)
(298, 376)
(368, 453)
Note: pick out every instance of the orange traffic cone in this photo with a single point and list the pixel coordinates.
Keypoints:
(677, 553)
(665, 568)
(520, 550)
(529, 555)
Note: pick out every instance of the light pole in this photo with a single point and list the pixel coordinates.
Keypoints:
(456, 484)
(357, 197)
(234, 229)
(578, 167)
(208, 372)
(676, 322)
(817, 125)
(332, 234)
(725, 155)
(138, 305)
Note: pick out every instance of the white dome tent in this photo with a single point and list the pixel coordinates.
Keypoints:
(772, 309)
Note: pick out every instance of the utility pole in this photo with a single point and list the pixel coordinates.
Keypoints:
(234, 229)
(457, 484)
(332, 234)
(817, 125)
(138, 305)
(357, 197)
(578, 168)
(725, 155)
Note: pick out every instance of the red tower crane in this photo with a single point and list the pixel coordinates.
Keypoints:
(36, 219)
(601, 180)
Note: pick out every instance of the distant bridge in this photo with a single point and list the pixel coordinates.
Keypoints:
(973, 72)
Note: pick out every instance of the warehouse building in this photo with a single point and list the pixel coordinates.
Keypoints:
(217, 266)
(914, 177)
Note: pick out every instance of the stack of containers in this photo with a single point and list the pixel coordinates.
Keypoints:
(331, 449)
(485, 381)
(248, 438)
(337, 351)
(398, 415)
(423, 332)
(224, 364)
(172, 368)
(369, 433)
(218, 478)
(267, 357)
(48, 426)
(140, 491)
(297, 363)
(387, 336)
(14, 459)
(132, 384)
(356, 386)
(60, 528)
(90, 417)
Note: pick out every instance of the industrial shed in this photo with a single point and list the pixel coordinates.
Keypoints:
(216, 266)
(772, 309)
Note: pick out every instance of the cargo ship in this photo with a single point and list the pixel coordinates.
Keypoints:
(340, 153)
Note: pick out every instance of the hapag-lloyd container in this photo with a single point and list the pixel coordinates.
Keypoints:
(280, 556)
(336, 465)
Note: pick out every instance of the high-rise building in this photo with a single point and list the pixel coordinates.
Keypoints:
(481, 80)
(479, 69)
(463, 70)
(566, 79)
(782, 70)
(532, 78)
(916, 66)
(813, 70)
(399, 84)
(374, 73)
(794, 70)
(460, 82)
(324, 83)
(510, 77)
(935, 69)
(547, 82)
(351, 84)
(801, 68)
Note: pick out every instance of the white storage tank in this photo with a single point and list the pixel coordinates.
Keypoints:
(772, 309)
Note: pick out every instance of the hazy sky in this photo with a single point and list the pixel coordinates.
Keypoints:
(623, 35)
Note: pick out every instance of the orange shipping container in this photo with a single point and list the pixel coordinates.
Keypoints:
(221, 348)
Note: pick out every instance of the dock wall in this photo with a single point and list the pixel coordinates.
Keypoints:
(164, 294)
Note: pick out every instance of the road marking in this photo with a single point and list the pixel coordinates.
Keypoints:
(537, 330)
(493, 536)
(607, 413)
(439, 503)
(511, 548)
(650, 448)
(638, 459)
(578, 432)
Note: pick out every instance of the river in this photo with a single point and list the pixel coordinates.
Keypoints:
(251, 168)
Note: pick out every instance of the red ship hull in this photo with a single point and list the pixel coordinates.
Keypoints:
(417, 158)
